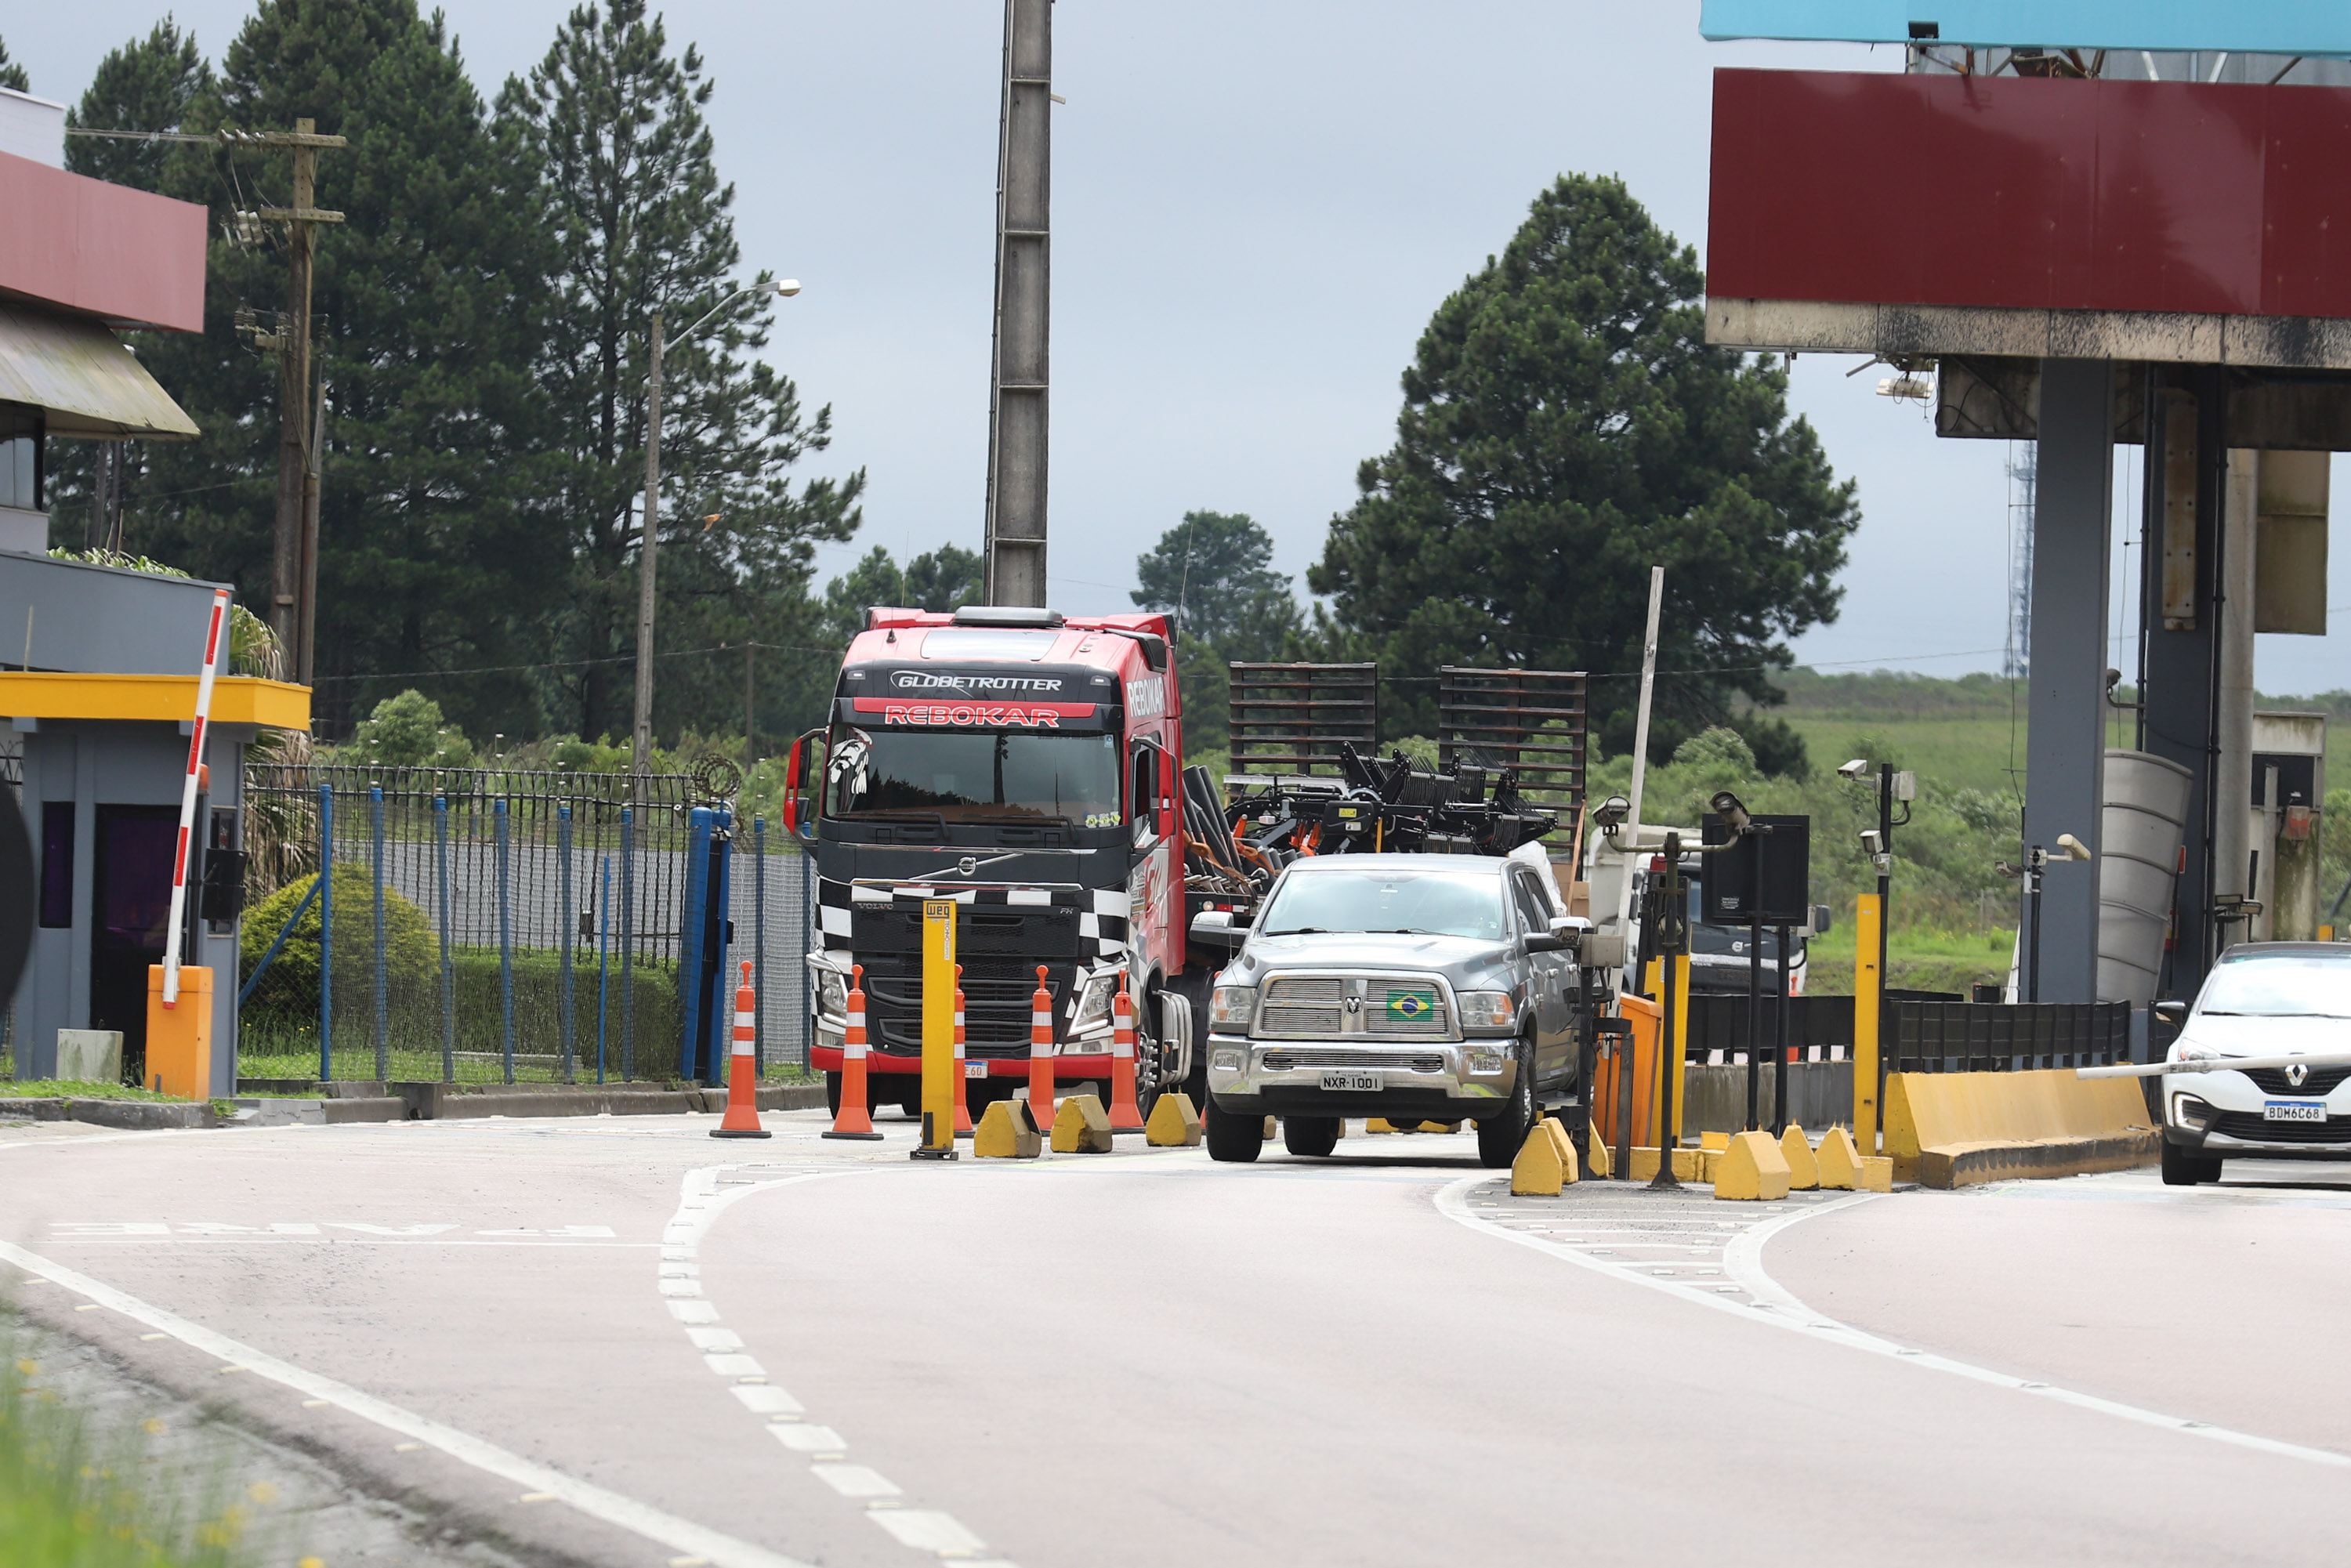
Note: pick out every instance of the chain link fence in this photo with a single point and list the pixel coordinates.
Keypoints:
(497, 926)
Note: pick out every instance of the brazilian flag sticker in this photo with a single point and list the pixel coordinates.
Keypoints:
(1412, 1004)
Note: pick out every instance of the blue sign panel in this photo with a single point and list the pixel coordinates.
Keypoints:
(2308, 28)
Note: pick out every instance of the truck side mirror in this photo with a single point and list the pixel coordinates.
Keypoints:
(1821, 920)
(796, 811)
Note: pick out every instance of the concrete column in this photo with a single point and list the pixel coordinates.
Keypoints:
(2066, 767)
(2232, 763)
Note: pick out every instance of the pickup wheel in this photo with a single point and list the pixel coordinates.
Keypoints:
(1312, 1136)
(1499, 1137)
(1234, 1139)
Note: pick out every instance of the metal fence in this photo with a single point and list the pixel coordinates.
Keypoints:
(1924, 1035)
(492, 926)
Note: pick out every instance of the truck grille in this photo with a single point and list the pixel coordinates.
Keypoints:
(1288, 1060)
(996, 992)
(2321, 1082)
(1319, 1007)
(1308, 1004)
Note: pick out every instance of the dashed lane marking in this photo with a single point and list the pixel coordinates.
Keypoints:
(1760, 1299)
(684, 1535)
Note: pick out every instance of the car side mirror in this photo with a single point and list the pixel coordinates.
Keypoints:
(1544, 944)
(2171, 1013)
(1821, 920)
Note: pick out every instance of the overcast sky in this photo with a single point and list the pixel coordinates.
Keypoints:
(1257, 206)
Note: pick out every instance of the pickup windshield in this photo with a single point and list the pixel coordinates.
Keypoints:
(968, 776)
(1434, 903)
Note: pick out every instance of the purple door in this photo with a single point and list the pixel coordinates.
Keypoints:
(130, 907)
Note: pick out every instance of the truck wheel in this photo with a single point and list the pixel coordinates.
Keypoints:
(1233, 1139)
(1499, 1137)
(1312, 1136)
(832, 1096)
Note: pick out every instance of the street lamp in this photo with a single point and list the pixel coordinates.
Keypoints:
(641, 760)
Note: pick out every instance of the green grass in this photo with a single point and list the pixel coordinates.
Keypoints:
(79, 1089)
(1916, 960)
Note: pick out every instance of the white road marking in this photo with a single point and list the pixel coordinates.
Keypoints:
(733, 1365)
(764, 1399)
(801, 1438)
(627, 1513)
(1772, 1303)
(855, 1480)
(927, 1530)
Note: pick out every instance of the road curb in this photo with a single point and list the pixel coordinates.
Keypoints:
(138, 1116)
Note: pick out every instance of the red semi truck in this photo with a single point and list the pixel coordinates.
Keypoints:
(1028, 765)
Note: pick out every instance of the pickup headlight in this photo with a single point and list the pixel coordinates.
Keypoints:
(1484, 1062)
(1232, 1007)
(1484, 1009)
(832, 993)
(1093, 1002)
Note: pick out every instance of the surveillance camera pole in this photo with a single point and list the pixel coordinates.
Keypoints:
(2035, 862)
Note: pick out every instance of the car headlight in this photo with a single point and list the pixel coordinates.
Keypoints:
(1484, 1009)
(832, 993)
(1093, 1002)
(2188, 1111)
(1228, 1060)
(1232, 1007)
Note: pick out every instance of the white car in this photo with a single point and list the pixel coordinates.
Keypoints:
(2262, 998)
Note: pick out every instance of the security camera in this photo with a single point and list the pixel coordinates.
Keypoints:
(1727, 807)
(1610, 814)
(1853, 769)
(2075, 850)
(1873, 841)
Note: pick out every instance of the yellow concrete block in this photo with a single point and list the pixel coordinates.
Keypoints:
(1643, 1166)
(1838, 1161)
(1803, 1169)
(1272, 1129)
(1687, 1165)
(1751, 1169)
(1556, 1130)
(1440, 1127)
(1006, 1133)
(1542, 1167)
(1975, 1126)
(1709, 1160)
(1173, 1125)
(1878, 1170)
(180, 1037)
(1598, 1167)
(1378, 1124)
(1082, 1127)
(1717, 1142)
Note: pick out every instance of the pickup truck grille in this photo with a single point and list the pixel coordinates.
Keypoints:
(1321, 1006)
(1296, 1057)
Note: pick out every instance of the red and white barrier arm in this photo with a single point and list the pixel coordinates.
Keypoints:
(215, 644)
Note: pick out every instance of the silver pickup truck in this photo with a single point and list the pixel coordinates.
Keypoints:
(1416, 988)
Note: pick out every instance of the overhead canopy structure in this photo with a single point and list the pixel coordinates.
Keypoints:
(2306, 27)
(83, 378)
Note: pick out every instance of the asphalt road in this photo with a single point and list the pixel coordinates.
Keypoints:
(622, 1341)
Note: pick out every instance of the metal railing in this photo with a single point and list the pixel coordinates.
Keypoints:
(1927, 1037)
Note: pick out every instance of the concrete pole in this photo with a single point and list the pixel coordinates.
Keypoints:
(2065, 771)
(293, 424)
(641, 760)
(2232, 738)
(1019, 383)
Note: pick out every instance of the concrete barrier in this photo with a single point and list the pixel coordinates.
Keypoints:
(1751, 1169)
(1957, 1129)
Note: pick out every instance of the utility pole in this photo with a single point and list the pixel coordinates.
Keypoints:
(314, 476)
(641, 755)
(290, 616)
(1019, 381)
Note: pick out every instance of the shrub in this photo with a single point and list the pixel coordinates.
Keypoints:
(409, 946)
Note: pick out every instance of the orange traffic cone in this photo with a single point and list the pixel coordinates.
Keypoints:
(854, 1120)
(1125, 1115)
(742, 1118)
(961, 1109)
(1040, 1053)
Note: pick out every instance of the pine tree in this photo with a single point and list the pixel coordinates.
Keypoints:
(1565, 426)
(425, 309)
(13, 74)
(148, 84)
(633, 206)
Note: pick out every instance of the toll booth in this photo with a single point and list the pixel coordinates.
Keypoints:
(100, 699)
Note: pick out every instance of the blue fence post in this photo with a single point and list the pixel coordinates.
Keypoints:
(448, 980)
(326, 932)
(691, 925)
(760, 947)
(505, 943)
(628, 944)
(382, 999)
(603, 960)
(563, 851)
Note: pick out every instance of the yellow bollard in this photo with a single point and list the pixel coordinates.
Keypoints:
(1837, 1164)
(1006, 1133)
(1440, 1127)
(179, 1038)
(938, 1142)
(1558, 1131)
(1751, 1169)
(1544, 1165)
(1803, 1170)
(1868, 983)
(1173, 1125)
(1272, 1129)
(1598, 1167)
(1878, 1173)
(1082, 1127)
(1378, 1124)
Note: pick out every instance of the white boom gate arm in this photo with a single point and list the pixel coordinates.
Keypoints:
(173, 931)
(2216, 1064)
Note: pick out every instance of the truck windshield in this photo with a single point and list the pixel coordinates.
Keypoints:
(966, 776)
(1433, 903)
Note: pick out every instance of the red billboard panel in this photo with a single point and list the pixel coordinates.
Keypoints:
(2035, 193)
(87, 248)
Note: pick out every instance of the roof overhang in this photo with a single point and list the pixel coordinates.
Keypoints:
(162, 699)
(83, 377)
(1929, 214)
(128, 257)
(2308, 28)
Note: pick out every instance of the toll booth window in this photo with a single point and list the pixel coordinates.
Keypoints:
(56, 863)
(974, 776)
(20, 458)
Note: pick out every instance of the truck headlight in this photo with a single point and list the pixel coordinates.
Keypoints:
(1484, 1009)
(832, 993)
(1093, 1002)
(1232, 1007)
